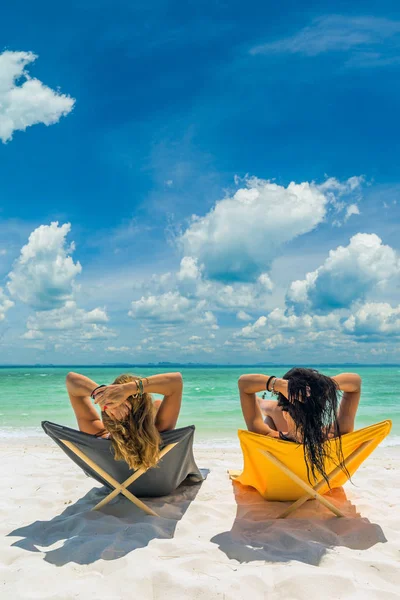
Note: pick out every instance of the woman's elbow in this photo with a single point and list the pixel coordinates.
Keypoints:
(71, 376)
(357, 382)
(177, 379)
(242, 381)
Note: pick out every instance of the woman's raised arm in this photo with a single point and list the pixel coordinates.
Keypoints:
(170, 385)
(249, 385)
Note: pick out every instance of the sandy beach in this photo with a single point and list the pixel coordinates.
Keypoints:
(213, 541)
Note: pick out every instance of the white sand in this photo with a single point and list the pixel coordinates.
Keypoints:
(217, 541)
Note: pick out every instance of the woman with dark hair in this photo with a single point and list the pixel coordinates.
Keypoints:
(308, 410)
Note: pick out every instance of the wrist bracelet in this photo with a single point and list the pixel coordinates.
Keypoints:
(97, 388)
(139, 388)
(269, 379)
(273, 392)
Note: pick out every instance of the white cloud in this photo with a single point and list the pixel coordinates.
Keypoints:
(170, 307)
(209, 320)
(188, 269)
(43, 276)
(97, 332)
(278, 321)
(337, 33)
(250, 331)
(118, 349)
(69, 323)
(231, 297)
(378, 318)
(29, 103)
(67, 317)
(242, 234)
(278, 341)
(188, 276)
(5, 304)
(243, 316)
(33, 334)
(191, 282)
(352, 209)
(346, 276)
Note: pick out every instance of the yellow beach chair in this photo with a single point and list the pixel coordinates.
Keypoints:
(277, 468)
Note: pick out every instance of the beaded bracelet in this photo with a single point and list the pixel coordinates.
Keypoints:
(269, 379)
(273, 392)
(140, 387)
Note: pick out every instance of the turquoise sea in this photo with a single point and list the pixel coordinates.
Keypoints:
(30, 395)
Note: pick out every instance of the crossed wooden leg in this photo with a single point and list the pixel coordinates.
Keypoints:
(120, 488)
(312, 492)
(307, 488)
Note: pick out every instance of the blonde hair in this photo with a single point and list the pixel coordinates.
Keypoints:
(136, 439)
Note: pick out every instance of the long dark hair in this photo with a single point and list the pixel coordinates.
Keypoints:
(312, 403)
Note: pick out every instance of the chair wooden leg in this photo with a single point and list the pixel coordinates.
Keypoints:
(233, 473)
(120, 488)
(347, 463)
(307, 488)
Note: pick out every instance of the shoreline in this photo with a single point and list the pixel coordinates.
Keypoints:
(36, 436)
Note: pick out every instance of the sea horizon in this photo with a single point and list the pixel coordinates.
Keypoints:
(192, 365)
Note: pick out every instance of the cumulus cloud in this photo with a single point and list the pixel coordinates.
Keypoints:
(69, 323)
(188, 276)
(278, 321)
(172, 308)
(43, 276)
(231, 297)
(374, 318)
(28, 103)
(347, 275)
(242, 234)
(243, 316)
(5, 304)
(68, 316)
(189, 269)
(186, 294)
(278, 341)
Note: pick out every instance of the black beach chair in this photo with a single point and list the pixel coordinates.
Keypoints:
(95, 456)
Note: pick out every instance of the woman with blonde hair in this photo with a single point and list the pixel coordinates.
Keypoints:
(129, 415)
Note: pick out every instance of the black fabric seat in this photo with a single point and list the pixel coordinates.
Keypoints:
(176, 466)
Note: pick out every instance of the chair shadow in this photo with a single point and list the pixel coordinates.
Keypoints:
(257, 533)
(80, 535)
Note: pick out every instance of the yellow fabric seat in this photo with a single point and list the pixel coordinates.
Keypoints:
(277, 468)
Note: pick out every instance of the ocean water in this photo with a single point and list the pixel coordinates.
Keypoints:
(29, 395)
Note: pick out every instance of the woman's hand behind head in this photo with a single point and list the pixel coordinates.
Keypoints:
(112, 396)
(119, 413)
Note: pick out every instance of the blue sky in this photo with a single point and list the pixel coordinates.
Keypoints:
(160, 111)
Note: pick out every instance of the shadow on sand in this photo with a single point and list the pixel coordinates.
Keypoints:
(257, 534)
(83, 536)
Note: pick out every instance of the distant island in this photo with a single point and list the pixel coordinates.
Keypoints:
(191, 365)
